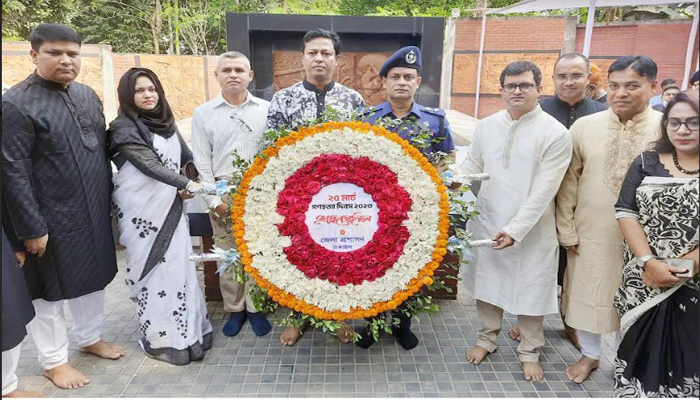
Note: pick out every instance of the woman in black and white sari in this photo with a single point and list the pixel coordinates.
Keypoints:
(657, 302)
(148, 199)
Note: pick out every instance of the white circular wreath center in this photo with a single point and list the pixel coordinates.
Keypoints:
(342, 217)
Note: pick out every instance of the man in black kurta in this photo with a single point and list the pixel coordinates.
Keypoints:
(571, 73)
(57, 187)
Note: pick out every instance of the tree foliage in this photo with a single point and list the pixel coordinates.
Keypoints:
(199, 26)
(19, 17)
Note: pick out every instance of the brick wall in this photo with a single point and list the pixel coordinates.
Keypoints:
(664, 41)
(517, 33)
(542, 39)
(507, 40)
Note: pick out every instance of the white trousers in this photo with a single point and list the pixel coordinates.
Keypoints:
(10, 360)
(49, 331)
(591, 344)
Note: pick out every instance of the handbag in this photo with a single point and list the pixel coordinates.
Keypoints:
(190, 171)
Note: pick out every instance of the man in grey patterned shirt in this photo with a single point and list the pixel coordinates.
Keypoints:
(305, 101)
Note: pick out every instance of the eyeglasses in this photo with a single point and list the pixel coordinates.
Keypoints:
(674, 124)
(242, 123)
(524, 87)
(573, 77)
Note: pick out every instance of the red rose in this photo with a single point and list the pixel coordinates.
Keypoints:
(372, 261)
(342, 280)
(303, 252)
(311, 272)
(335, 269)
(297, 240)
(369, 275)
(382, 255)
(321, 262)
(312, 187)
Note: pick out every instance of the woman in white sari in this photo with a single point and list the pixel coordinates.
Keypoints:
(148, 192)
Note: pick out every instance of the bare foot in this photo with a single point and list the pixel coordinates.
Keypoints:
(533, 372)
(104, 350)
(514, 333)
(346, 333)
(23, 394)
(573, 336)
(66, 377)
(580, 371)
(476, 355)
(290, 336)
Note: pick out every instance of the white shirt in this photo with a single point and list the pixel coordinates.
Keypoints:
(526, 160)
(220, 128)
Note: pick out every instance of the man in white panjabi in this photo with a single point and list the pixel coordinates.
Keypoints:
(234, 121)
(526, 153)
(605, 144)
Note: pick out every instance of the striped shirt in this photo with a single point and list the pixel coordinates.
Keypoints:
(219, 129)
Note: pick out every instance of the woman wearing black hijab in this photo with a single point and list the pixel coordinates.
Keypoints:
(148, 191)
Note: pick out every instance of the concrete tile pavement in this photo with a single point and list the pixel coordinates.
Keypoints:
(320, 366)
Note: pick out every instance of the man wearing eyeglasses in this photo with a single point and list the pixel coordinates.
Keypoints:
(605, 144)
(571, 74)
(233, 122)
(526, 152)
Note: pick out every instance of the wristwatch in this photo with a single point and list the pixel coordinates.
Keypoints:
(641, 261)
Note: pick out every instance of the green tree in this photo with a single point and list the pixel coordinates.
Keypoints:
(199, 26)
(317, 7)
(126, 25)
(412, 8)
(19, 17)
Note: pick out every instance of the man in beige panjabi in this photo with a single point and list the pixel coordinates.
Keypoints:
(605, 144)
(234, 121)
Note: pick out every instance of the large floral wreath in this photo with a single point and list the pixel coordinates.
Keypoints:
(277, 250)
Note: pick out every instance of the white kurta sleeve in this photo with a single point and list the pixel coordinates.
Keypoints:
(567, 198)
(474, 162)
(202, 153)
(553, 165)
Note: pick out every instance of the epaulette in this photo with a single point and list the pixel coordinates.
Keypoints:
(435, 111)
(368, 110)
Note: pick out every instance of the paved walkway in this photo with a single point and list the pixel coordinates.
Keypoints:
(319, 366)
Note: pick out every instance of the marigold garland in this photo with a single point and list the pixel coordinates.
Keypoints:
(289, 300)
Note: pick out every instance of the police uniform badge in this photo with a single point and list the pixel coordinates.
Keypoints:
(411, 57)
(408, 57)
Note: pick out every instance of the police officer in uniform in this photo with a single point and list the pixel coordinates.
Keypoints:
(401, 114)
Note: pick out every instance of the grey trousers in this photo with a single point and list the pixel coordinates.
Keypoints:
(531, 331)
(234, 293)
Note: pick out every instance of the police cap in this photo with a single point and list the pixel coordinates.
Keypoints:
(408, 57)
